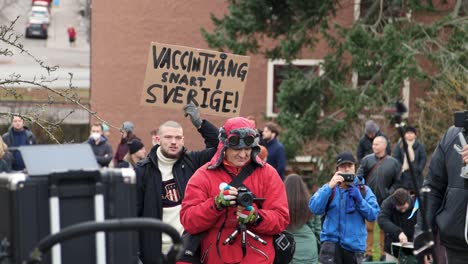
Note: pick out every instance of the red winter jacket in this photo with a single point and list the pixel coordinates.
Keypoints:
(199, 214)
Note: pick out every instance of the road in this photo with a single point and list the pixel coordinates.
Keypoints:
(53, 51)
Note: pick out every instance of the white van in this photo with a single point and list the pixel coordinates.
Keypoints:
(40, 13)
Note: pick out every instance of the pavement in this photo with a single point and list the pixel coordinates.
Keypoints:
(64, 15)
(53, 51)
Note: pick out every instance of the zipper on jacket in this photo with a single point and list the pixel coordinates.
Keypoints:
(203, 256)
(258, 250)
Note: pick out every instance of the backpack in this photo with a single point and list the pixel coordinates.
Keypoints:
(285, 246)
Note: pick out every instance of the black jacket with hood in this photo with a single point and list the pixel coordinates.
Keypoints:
(447, 201)
(149, 187)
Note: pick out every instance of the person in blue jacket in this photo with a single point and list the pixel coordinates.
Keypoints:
(346, 205)
(276, 152)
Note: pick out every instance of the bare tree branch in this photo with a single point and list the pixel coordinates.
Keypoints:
(9, 86)
(10, 38)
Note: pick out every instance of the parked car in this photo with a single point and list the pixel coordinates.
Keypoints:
(36, 29)
(43, 4)
(40, 13)
(49, 2)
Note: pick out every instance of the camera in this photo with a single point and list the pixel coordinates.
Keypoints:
(244, 197)
(460, 119)
(348, 177)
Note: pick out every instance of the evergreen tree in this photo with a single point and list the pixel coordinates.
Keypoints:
(385, 48)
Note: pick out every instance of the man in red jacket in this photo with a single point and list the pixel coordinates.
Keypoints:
(210, 203)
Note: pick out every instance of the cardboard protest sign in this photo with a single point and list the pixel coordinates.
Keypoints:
(177, 75)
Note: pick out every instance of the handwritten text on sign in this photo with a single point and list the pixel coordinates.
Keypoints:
(213, 81)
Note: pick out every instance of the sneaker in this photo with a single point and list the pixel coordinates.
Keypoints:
(367, 258)
(382, 258)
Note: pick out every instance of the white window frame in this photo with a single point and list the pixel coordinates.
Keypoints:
(405, 91)
(357, 11)
(270, 78)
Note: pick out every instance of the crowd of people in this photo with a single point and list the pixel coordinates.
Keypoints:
(197, 192)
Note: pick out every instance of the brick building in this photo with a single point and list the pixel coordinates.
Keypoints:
(121, 35)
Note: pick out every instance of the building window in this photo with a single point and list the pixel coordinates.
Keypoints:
(395, 10)
(276, 75)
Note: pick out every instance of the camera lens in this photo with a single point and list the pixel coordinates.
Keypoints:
(245, 198)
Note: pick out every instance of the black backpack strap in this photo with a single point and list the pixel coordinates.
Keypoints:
(362, 189)
(330, 199)
(244, 173)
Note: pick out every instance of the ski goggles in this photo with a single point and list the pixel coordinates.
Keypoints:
(241, 138)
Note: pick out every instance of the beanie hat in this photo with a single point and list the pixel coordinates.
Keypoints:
(410, 129)
(236, 133)
(371, 127)
(134, 146)
(105, 127)
(127, 126)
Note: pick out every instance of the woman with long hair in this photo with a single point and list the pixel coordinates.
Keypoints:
(303, 224)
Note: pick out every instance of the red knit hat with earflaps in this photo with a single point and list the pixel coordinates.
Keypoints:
(241, 127)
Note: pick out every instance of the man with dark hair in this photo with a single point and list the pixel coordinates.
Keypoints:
(395, 220)
(162, 179)
(371, 131)
(101, 148)
(18, 135)
(276, 153)
(346, 205)
(210, 204)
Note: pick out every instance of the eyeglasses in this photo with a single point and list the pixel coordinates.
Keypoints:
(235, 140)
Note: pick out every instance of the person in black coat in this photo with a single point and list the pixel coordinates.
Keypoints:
(394, 219)
(371, 131)
(417, 153)
(447, 200)
(101, 148)
(162, 178)
(18, 135)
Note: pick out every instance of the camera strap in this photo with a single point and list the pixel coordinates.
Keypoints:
(236, 182)
(374, 167)
(243, 174)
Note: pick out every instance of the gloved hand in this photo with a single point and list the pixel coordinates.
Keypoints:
(226, 197)
(192, 111)
(246, 215)
(353, 191)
